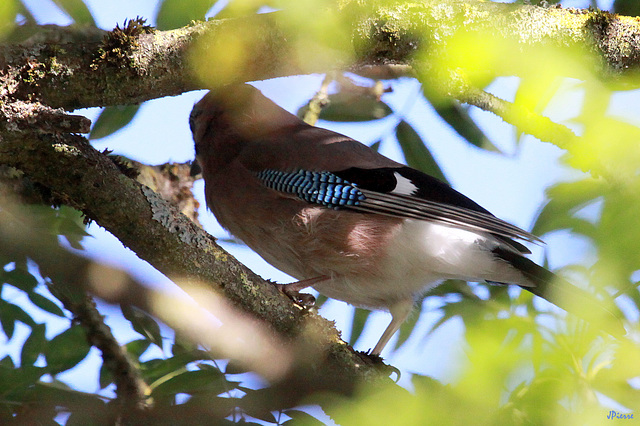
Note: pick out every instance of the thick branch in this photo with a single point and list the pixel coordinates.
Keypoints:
(136, 64)
(166, 239)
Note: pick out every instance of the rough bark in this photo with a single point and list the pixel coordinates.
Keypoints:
(137, 63)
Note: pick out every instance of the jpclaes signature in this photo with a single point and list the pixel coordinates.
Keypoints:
(615, 415)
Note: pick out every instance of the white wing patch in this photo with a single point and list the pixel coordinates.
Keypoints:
(403, 186)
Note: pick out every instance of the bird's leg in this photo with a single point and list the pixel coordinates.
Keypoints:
(292, 290)
(399, 313)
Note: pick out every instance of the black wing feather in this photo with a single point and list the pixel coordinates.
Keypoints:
(431, 199)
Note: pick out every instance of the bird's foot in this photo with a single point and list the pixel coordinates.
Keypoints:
(378, 362)
(371, 358)
(293, 291)
(303, 299)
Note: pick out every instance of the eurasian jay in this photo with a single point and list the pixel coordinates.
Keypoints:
(354, 224)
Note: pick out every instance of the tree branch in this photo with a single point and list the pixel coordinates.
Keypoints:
(170, 242)
(136, 63)
(131, 389)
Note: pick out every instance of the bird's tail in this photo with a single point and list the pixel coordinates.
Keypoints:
(544, 283)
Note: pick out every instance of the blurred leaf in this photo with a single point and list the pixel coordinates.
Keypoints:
(459, 119)
(376, 145)
(143, 323)
(182, 344)
(626, 7)
(9, 313)
(71, 226)
(349, 107)
(137, 347)
(33, 346)
(7, 320)
(6, 363)
(67, 349)
(45, 304)
(8, 14)
(58, 394)
(235, 368)
(160, 370)
(500, 294)
(19, 278)
(358, 322)
(53, 222)
(618, 237)
(452, 286)
(407, 328)
(298, 416)
(415, 152)
(535, 92)
(78, 11)
(468, 309)
(112, 119)
(190, 382)
(106, 376)
(564, 200)
(320, 300)
(175, 13)
(259, 410)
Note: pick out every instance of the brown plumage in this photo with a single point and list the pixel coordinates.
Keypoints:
(407, 232)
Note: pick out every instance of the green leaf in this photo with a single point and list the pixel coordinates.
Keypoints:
(627, 7)
(416, 154)
(7, 320)
(45, 304)
(112, 119)
(182, 344)
(71, 226)
(564, 200)
(160, 370)
(349, 107)
(11, 313)
(20, 278)
(33, 346)
(298, 416)
(52, 222)
(406, 329)
(143, 323)
(175, 14)
(7, 363)
(457, 116)
(534, 93)
(58, 394)
(190, 382)
(67, 349)
(77, 10)
(106, 376)
(137, 347)
(358, 322)
(259, 410)
(234, 367)
(320, 300)
(8, 13)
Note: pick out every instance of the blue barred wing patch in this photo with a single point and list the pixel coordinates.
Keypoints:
(322, 188)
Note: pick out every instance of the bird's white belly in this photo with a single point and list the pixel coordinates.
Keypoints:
(419, 256)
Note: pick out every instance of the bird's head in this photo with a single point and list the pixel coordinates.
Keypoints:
(226, 118)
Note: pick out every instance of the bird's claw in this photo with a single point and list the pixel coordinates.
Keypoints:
(305, 300)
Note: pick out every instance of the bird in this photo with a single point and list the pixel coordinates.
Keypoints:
(355, 225)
